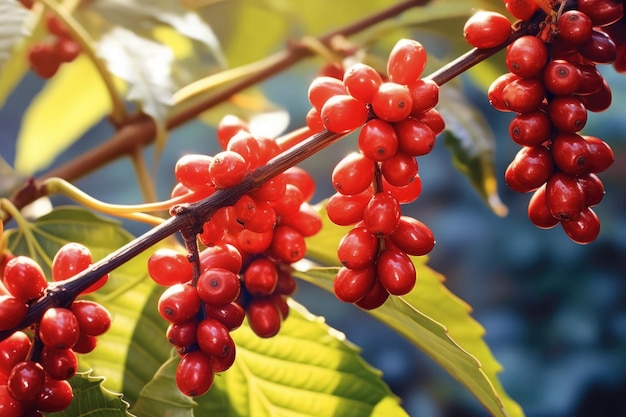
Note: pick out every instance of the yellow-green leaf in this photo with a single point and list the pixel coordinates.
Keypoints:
(69, 104)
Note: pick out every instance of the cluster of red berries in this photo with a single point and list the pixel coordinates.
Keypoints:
(245, 269)
(60, 47)
(36, 362)
(551, 84)
(398, 122)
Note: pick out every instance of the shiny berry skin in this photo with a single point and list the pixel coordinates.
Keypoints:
(538, 212)
(230, 315)
(568, 114)
(194, 373)
(392, 102)
(192, 170)
(561, 77)
(167, 267)
(396, 271)
(179, 303)
(362, 81)
(59, 363)
(375, 297)
(431, 118)
(56, 396)
(58, 328)
(599, 48)
(400, 169)
(288, 244)
(12, 312)
(406, 61)
(601, 155)
(289, 202)
(246, 145)
(526, 56)
(351, 285)
(228, 126)
(521, 9)
(182, 335)
(306, 220)
(377, 140)
(523, 95)
(353, 174)
(602, 12)
(571, 153)
(227, 169)
(13, 349)
(343, 113)
(357, 248)
(412, 237)
(93, 318)
(574, 27)
(485, 29)
(531, 167)
(345, 210)
(583, 229)
(9, 406)
(565, 197)
(593, 188)
(301, 179)
(424, 95)
(218, 286)
(600, 100)
(214, 338)
(26, 381)
(85, 343)
(71, 259)
(496, 89)
(414, 138)
(24, 278)
(406, 193)
(264, 317)
(261, 277)
(382, 214)
(221, 256)
(530, 129)
(324, 87)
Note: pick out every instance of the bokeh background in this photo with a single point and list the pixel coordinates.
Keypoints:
(554, 311)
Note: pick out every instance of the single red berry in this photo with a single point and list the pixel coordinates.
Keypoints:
(571, 154)
(228, 126)
(343, 113)
(288, 244)
(13, 349)
(93, 318)
(86, 343)
(59, 363)
(323, 88)
(415, 138)
(593, 188)
(194, 373)
(179, 303)
(382, 214)
(303, 180)
(406, 62)
(230, 315)
(496, 88)
(214, 338)
(396, 271)
(600, 100)
(375, 297)
(345, 210)
(264, 317)
(306, 220)
(574, 27)
(12, 312)
(424, 95)
(58, 328)
(289, 202)
(167, 267)
(182, 335)
(218, 286)
(351, 285)
(43, 60)
(523, 95)
(392, 102)
(56, 396)
(568, 114)
(9, 406)
(357, 249)
(413, 237)
(246, 145)
(406, 193)
(583, 229)
(353, 174)
(227, 169)
(24, 278)
(602, 12)
(561, 77)
(486, 29)
(531, 167)
(221, 256)
(521, 9)
(591, 79)
(362, 81)
(601, 156)
(526, 56)
(261, 277)
(272, 189)
(254, 242)
(431, 118)
(564, 196)
(530, 129)
(192, 170)
(400, 169)
(26, 381)
(538, 212)
(599, 48)
(377, 140)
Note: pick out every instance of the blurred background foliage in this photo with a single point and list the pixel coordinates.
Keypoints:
(554, 311)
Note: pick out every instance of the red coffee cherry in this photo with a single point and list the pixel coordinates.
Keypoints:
(322, 88)
(571, 153)
(346, 210)
(521, 9)
(561, 77)
(264, 317)
(194, 373)
(601, 155)
(357, 249)
(377, 140)
(168, 267)
(593, 188)
(574, 27)
(523, 95)
(12, 312)
(343, 113)
(227, 127)
(538, 211)
(600, 100)
(412, 237)
(392, 102)
(414, 137)
(526, 56)
(406, 61)
(288, 244)
(494, 93)
(59, 328)
(362, 81)
(93, 319)
(351, 285)
(230, 315)
(485, 29)
(218, 286)
(396, 271)
(382, 214)
(26, 381)
(375, 297)
(424, 95)
(583, 229)
(599, 48)
(56, 396)
(565, 197)
(261, 277)
(400, 169)
(353, 174)
(227, 169)
(214, 338)
(179, 303)
(602, 12)
(568, 114)
(59, 363)
(530, 129)
(182, 335)
(24, 278)
(531, 167)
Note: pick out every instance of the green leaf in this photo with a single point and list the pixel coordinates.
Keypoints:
(308, 369)
(432, 318)
(92, 399)
(70, 103)
(161, 397)
(43, 237)
(472, 143)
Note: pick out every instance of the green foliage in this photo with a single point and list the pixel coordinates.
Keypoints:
(92, 399)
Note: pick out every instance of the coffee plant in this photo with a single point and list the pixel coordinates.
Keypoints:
(198, 315)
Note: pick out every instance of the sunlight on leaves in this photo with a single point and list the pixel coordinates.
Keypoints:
(12, 28)
(69, 104)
